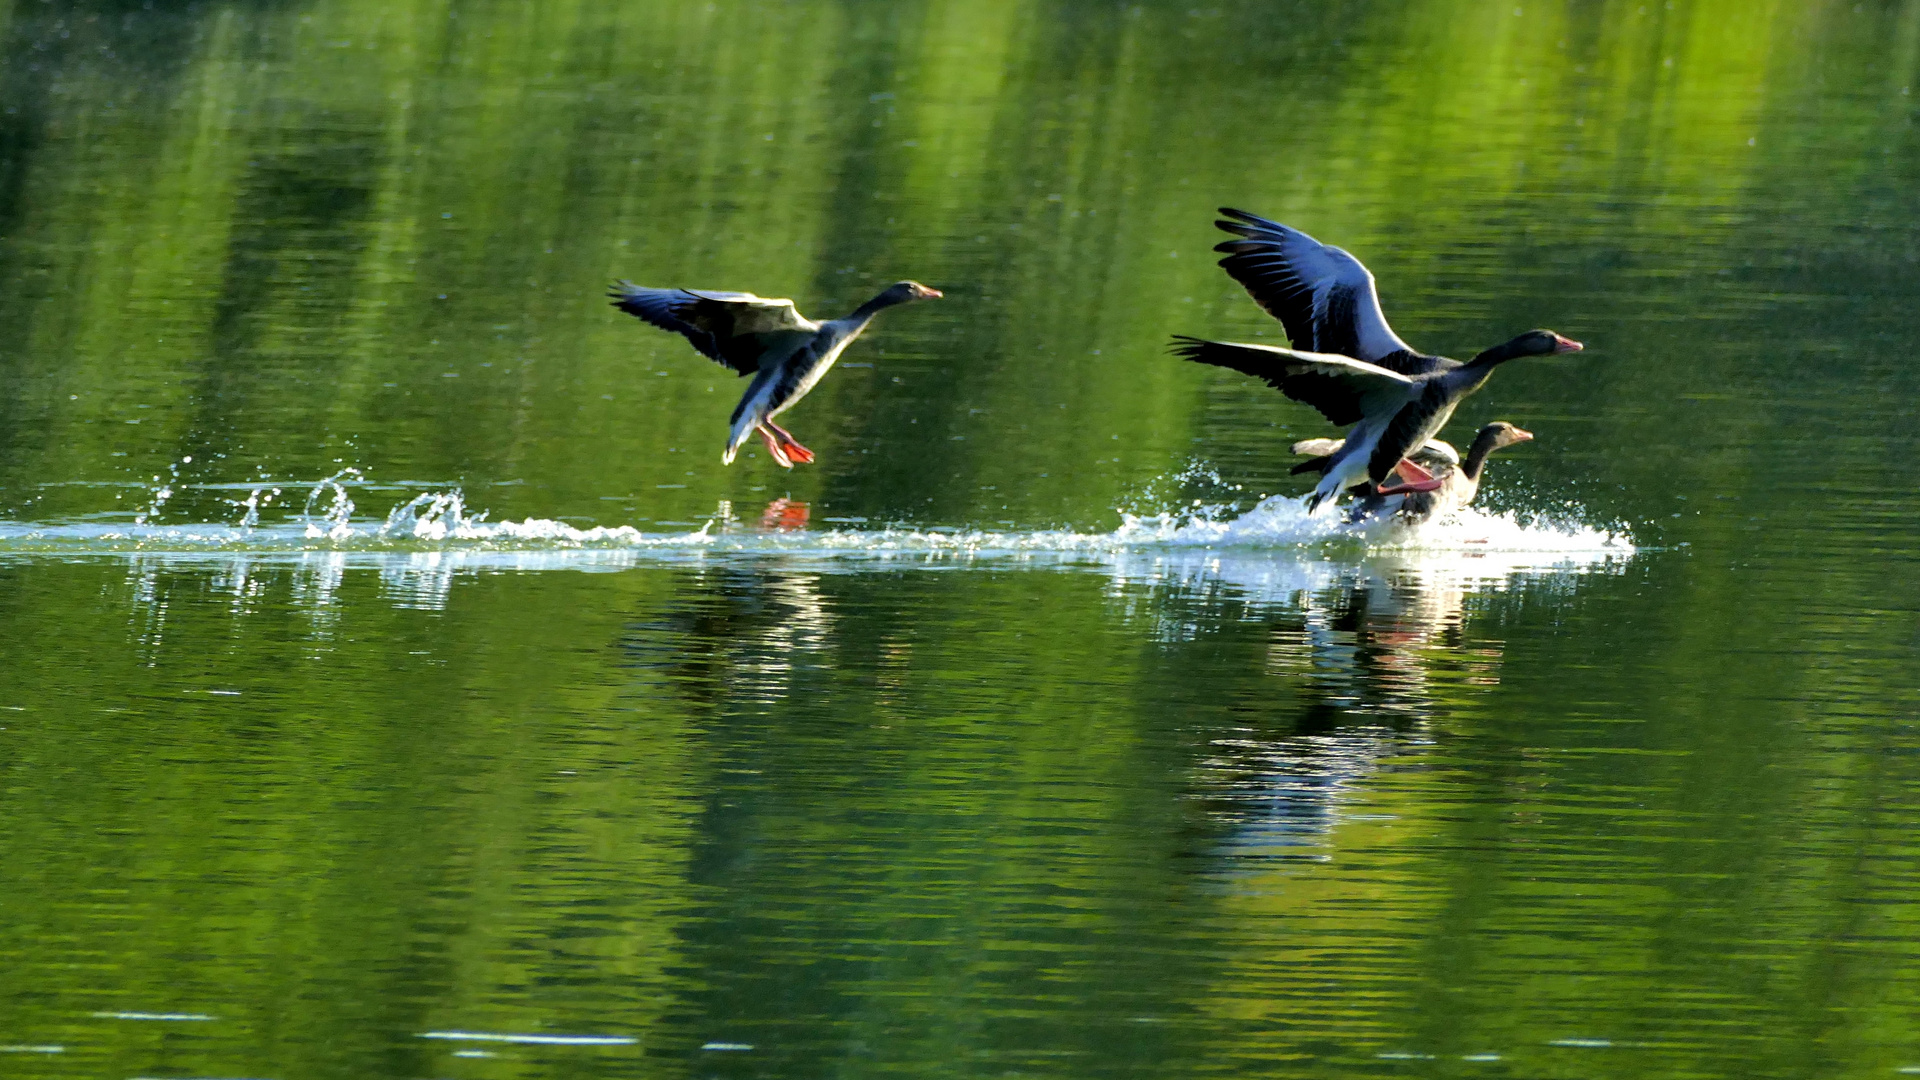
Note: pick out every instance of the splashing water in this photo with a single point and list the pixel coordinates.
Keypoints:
(339, 513)
(441, 520)
(252, 504)
(1282, 521)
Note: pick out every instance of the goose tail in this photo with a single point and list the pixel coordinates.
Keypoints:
(743, 426)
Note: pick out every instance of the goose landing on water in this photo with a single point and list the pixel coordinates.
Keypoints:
(1458, 481)
(785, 352)
(1347, 362)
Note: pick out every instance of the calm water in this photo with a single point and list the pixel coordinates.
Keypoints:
(396, 685)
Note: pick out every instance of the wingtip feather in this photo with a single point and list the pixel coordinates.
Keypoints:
(1187, 348)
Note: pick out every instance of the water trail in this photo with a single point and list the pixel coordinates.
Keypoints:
(1192, 537)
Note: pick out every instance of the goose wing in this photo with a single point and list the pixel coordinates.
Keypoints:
(1342, 388)
(734, 328)
(1323, 296)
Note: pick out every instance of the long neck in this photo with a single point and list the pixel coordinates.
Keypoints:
(868, 310)
(1476, 458)
(1471, 375)
(1499, 354)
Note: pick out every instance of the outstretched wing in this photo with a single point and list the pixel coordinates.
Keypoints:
(733, 328)
(1323, 296)
(1343, 389)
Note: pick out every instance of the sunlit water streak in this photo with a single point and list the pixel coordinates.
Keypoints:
(536, 1040)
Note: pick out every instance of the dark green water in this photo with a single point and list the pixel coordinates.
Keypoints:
(937, 769)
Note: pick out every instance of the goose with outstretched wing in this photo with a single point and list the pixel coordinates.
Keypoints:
(1347, 362)
(786, 353)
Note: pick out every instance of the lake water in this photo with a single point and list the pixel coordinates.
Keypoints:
(395, 683)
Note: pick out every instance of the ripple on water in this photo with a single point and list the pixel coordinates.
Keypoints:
(538, 1040)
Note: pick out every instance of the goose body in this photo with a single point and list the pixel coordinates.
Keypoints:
(1459, 479)
(786, 353)
(1347, 361)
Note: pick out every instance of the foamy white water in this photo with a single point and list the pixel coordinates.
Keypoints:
(442, 521)
(1272, 553)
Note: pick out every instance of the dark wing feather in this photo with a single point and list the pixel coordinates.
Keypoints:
(730, 327)
(1335, 400)
(665, 309)
(1343, 389)
(1324, 297)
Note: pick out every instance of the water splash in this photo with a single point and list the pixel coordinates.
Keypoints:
(432, 516)
(338, 517)
(1181, 540)
(1197, 493)
(256, 499)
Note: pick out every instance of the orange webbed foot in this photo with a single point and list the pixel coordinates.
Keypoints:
(779, 453)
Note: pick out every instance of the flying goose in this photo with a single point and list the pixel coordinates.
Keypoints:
(784, 351)
(1459, 480)
(1348, 363)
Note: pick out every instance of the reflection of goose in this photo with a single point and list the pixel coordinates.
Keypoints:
(785, 352)
(1358, 371)
(785, 515)
(1459, 480)
(1372, 653)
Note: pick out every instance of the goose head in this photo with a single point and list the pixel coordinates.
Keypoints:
(1531, 343)
(1490, 438)
(906, 292)
(1499, 434)
(900, 292)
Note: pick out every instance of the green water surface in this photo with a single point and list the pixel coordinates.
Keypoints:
(933, 768)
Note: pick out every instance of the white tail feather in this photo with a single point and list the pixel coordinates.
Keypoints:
(741, 430)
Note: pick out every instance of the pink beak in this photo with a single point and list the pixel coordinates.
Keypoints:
(1566, 344)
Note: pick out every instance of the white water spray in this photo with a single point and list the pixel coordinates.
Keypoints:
(338, 518)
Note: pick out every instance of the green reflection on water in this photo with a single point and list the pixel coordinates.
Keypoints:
(1103, 816)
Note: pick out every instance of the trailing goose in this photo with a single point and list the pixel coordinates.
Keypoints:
(1459, 480)
(1347, 362)
(785, 352)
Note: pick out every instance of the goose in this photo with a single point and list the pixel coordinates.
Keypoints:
(784, 351)
(1459, 479)
(1347, 362)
